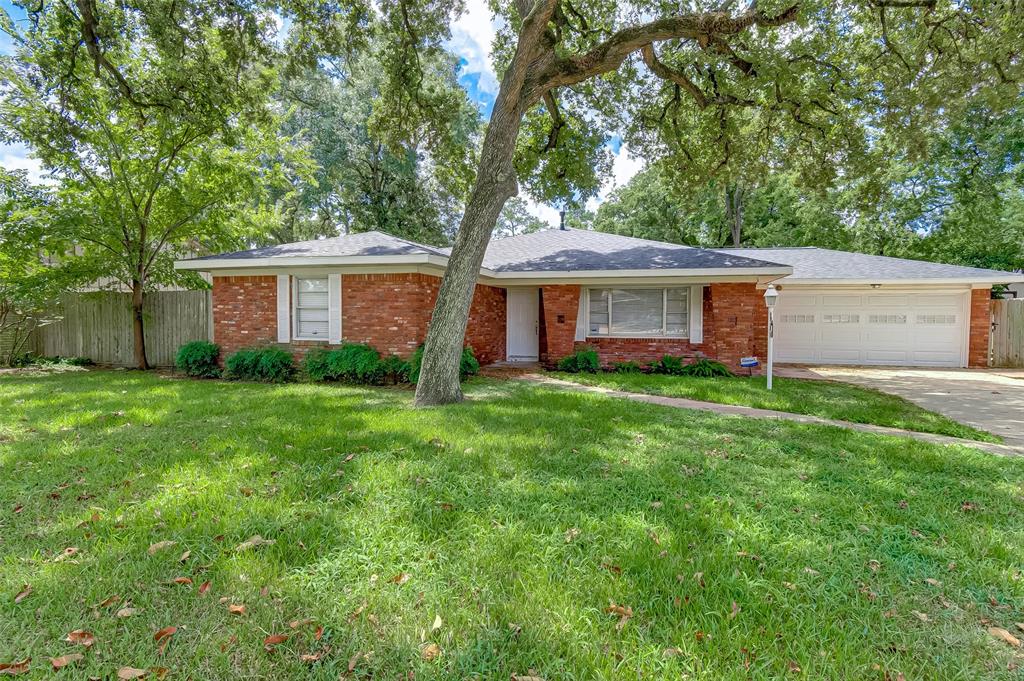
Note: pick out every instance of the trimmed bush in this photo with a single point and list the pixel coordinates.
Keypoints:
(198, 359)
(267, 365)
(581, 361)
(626, 367)
(706, 368)
(352, 362)
(395, 370)
(468, 364)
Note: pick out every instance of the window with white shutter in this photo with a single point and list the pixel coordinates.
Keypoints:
(639, 312)
(311, 309)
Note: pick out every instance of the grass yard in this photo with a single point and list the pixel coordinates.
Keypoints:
(574, 535)
(828, 399)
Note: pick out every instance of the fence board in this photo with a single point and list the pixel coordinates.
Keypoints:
(1008, 333)
(98, 325)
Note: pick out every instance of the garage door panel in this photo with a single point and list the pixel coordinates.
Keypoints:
(871, 327)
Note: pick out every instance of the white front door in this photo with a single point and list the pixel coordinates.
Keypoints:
(867, 326)
(522, 324)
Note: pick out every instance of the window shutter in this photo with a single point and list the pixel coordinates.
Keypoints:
(696, 314)
(581, 316)
(284, 304)
(334, 307)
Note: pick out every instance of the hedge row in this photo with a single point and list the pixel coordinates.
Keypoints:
(350, 363)
(586, 360)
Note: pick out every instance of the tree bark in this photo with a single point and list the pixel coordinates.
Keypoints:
(734, 213)
(138, 326)
(495, 184)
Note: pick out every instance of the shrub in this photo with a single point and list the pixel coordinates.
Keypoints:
(352, 362)
(582, 361)
(626, 367)
(669, 365)
(468, 364)
(395, 369)
(268, 365)
(198, 359)
(706, 368)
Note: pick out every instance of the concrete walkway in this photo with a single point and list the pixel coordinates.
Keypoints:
(989, 399)
(751, 412)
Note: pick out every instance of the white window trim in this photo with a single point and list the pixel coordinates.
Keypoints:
(664, 313)
(295, 311)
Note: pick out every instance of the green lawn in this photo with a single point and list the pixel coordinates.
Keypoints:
(492, 536)
(828, 399)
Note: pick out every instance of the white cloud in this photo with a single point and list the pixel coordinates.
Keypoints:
(472, 36)
(15, 157)
(542, 211)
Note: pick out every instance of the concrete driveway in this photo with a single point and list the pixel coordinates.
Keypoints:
(989, 399)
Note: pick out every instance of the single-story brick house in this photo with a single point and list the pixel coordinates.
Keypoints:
(539, 296)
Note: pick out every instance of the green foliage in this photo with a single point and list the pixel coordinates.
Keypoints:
(198, 359)
(267, 365)
(668, 365)
(706, 368)
(352, 362)
(395, 370)
(28, 359)
(468, 364)
(584, 360)
(627, 367)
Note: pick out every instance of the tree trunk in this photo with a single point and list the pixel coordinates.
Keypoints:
(138, 326)
(494, 185)
(734, 213)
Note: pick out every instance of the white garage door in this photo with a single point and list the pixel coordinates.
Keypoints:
(855, 326)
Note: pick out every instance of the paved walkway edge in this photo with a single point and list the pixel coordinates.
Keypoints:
(735, 410)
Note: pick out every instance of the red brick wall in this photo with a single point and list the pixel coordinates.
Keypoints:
(388, 311)
(735, 325)
(244, 312)
(560, 303)
(981, 327)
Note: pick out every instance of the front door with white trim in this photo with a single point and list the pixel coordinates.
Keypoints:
(522, 324)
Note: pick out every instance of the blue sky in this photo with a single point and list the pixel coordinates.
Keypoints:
(472, 36)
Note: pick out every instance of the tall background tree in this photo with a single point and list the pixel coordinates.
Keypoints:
(151, 118)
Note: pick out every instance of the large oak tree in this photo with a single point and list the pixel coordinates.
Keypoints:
(818, 80)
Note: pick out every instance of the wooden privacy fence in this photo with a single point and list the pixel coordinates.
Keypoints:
(1007, 349)
(98, 325)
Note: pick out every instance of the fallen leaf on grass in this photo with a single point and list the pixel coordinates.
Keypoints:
(253, 542)
(182, 580)
(1005, 636)
(107, 602)
(528, 677)
(437, 623)
(80, 637)
(204, 587)
(794, 667)
(1019, 625)
(14, 668)
(185, 556)
(811, 571)
(353, 661)
(671, 652)
(319, 633)
(920, 615)
(430, 652)
(932, 581)
(311, 657)
(129, 673)
(126, 612)
(273, 640)
(400, 578)
(25, 592)
(236, 609)
(163, 637)
(623, 611)
(160, 546)
(295, 624)
(66, 553)
(65, 660)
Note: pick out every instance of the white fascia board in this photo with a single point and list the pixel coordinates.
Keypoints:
(308, 261)
(977, 282)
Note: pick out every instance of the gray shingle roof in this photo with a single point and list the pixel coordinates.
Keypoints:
(363, 244)
(823, 264)
(576, 250)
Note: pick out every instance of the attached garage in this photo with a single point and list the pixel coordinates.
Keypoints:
(856, 308)
(869, 326)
